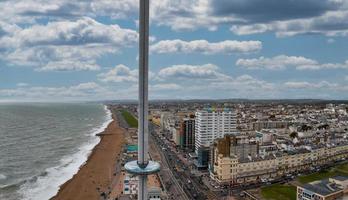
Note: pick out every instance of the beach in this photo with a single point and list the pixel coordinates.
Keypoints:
(97, 174)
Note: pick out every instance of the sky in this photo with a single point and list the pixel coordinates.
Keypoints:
(87, 50)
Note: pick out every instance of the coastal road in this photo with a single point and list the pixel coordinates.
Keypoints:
(171, 184)
(193, 187)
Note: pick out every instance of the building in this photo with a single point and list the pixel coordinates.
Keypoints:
(176, 136)
(226, 168)
(202, 158)
(211, 124)
(154, 193)
(187, 133)
(130, 187)
(130, 184)
(327, 189)
(257, 126)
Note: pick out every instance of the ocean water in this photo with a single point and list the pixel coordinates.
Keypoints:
(43, 145)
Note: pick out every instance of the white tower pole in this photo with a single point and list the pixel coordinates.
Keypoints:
(143, 129)
(143, 166)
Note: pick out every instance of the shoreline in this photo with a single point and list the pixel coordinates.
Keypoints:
(97, 173)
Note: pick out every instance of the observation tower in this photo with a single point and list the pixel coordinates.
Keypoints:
(143, 166)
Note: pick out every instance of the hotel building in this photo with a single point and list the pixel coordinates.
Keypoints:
(228, 164)
(211, 124)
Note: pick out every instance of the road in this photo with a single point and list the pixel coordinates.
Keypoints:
(192, 186)
(179, 182)
(171, 184)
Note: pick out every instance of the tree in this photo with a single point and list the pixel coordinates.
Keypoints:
(294, 134)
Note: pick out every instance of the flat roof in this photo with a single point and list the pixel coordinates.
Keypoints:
(324, 187)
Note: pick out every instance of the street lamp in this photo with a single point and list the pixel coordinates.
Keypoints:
(143, 167)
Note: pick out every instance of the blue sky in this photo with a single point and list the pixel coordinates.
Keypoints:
(257, 49)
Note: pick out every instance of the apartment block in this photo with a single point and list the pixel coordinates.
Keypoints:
(211, 124)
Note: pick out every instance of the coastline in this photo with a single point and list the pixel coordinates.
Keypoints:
(97, 173)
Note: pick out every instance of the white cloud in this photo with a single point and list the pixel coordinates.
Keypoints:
(331, 23)
(346, 78)
(205, 47)
(65, 45)
(29, 11)
(247, 17)
(307, 85)
(298, 85)
(70, 65)
(275, 63)
(75, 91)
(22, 84)
(324, 66)
(244, 83)
(283, 61)
(249, 29)
(184, 14)
(165, 87)
(120, 73)
(207, 71)
(115, 9)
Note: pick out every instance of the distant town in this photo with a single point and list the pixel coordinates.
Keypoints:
(240, 149)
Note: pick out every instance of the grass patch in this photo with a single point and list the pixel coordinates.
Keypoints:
(130, 119)
(343, 168)
(340, 170)
(317, 176)
(279, 192)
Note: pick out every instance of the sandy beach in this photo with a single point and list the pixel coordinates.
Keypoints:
(97, 174)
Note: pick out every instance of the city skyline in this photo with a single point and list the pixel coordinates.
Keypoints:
(200, 49)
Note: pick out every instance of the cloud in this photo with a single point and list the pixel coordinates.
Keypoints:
(320, 89)
(324, 66)
(272, 10)
(89, 89)
(65, 45)
(331, 23)
(286, 18)
(165, 87)
(244, 83)
(298, 85)
(22, 84)
(207, 71)
(205, 47)
(282, 62)
(120, 73)
(70, 65)
(307, 85)
(275, 63)
(346, 78)
(30, 11)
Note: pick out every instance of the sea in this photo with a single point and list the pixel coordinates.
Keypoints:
(42, 145)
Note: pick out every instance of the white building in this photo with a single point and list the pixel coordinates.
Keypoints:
(130, 184)
(211, 124)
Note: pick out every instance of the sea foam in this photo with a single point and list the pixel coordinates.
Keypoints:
(3, 177)
(47, 185)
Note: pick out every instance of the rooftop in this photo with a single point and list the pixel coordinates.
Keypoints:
(323, 187)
